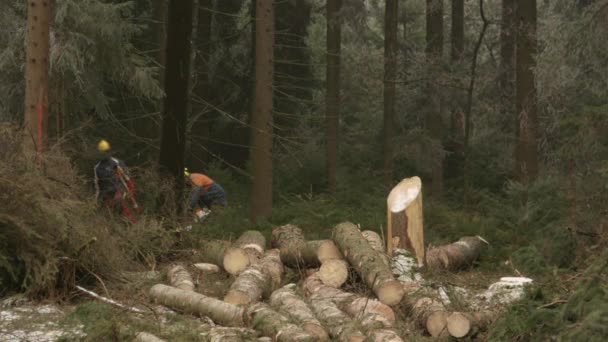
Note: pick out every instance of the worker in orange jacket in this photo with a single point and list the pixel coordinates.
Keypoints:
(205, 193)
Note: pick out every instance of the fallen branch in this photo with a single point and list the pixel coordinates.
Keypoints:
(179, 277)
(108, 300)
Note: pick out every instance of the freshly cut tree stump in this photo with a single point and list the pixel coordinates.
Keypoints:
(334, 272)
(457, 255)
(146, 337)
(257, 281)
(287, 302)
(274, 325)
(374, 240)
(356, 306)
(405, 218)
(180, 277)
(340, 326)
(368, 263)
(297, 252)
(198, 304)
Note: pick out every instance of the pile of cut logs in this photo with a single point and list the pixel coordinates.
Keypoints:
(318, 308)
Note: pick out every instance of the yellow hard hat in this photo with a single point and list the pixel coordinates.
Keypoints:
(186, 173)
(103, 146)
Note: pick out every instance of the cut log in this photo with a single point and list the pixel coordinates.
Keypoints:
(341, 327)
(180, 277)
(147, 337)
(356, 306)
(462, 324)
(247, 249)
(457, 255)
(287, 302)
(257, 281)
(368, 263)
(274, 325)
(197, 304)
(232, 260)
(374, 240)
(297, 252)
(383, 335)
(323, 250)
(213, 251)
(227, 334)
(272, 264)
(427, 311)
(334, 272)
(405, 218)
(207, 268)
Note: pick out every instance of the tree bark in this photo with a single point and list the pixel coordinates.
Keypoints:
(374, 240)
(507, 62)
(198, 304)
(332, 100)
(526, 152)
(287, 302)
(391, 21)
(180, 278)
(261, 119)
(405, 226)
(177, 80)
(232, 334)
(253, 244)
(368, 263)
(201, 108)
(457, 255)
(457, 35)
(434, 52)
(272, 324)
(340, 326)
(39, 16)
(147, 337)
(358, 307)
(297, 252)
(257, 281)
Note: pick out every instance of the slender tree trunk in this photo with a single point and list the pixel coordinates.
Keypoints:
(201, 108)
(507, 63)
(261, 119)
(333, 89)
(177, 80)
(160, 17)
(526, 152)
(391, 22)
(434, 52)
(37, 75)
(457, 34)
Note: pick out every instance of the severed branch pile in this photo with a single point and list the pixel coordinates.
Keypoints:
(318, 308)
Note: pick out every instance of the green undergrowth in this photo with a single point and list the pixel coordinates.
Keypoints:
(102, 322)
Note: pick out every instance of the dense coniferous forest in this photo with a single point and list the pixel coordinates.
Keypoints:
(256, 131)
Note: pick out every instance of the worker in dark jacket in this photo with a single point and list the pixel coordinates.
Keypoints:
(112, 183)
(205, 193)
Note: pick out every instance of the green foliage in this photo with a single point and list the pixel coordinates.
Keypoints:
(582, 318)
(52, 228)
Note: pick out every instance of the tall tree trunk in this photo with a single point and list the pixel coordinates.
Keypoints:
(526, 152)
(160, 25)
(37, 75)
(177, 80)
(507, 63)
(201, 108)
(434, 52)
(333, 89)
(391, 22)
(457, 35)
(261, 118)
